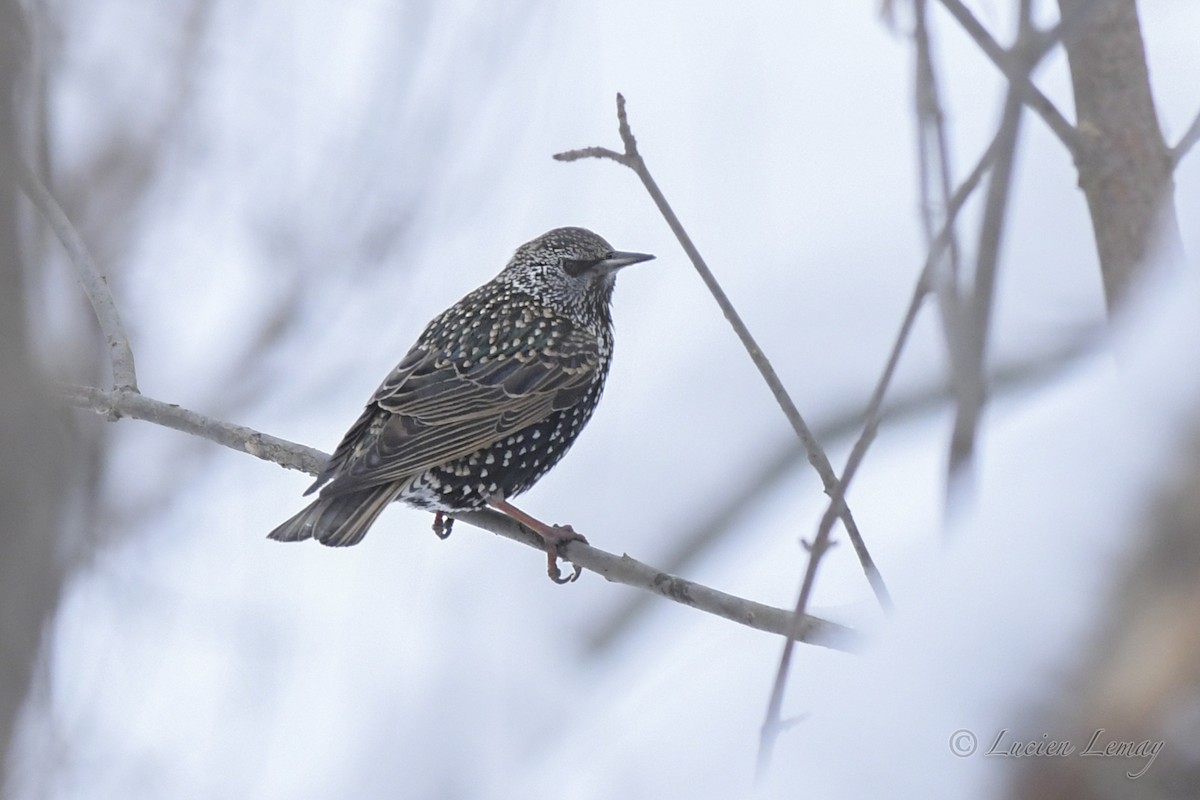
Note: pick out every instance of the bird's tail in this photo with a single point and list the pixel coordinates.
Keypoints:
(338, 520)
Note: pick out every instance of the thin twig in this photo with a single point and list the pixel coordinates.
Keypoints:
(617, 569)
(94, 284)
(816, 455)
(1018, 73)
(1186, 143)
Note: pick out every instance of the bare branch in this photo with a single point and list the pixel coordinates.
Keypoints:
(1186, 142)
(1017, 69)
(816, 454)
(617, 569)
(115, 405)
(93, 281)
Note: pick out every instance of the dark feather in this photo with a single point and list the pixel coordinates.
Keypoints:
(430, 411)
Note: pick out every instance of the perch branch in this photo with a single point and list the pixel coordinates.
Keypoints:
(614, 568)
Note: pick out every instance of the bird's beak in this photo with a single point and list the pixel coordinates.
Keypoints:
(617, 259)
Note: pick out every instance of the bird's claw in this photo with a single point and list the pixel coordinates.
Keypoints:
(555, 573)
(442, 525)
(557, 536)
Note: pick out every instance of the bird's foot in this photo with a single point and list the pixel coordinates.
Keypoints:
(442, 525)
(555, 536)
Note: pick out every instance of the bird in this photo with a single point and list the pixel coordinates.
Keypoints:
(491, 396)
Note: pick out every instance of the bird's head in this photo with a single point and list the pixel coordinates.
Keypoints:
(571, 269)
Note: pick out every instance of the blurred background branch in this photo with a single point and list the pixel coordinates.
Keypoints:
(36, 470)
(1124, 163)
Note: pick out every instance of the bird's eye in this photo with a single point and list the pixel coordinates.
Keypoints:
(577, 266)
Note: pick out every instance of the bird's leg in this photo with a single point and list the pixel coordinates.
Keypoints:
(442, 525)
(552, 535)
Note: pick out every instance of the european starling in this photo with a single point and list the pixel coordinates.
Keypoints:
(491, 396)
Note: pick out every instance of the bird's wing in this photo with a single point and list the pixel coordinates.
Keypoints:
(430, 411)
